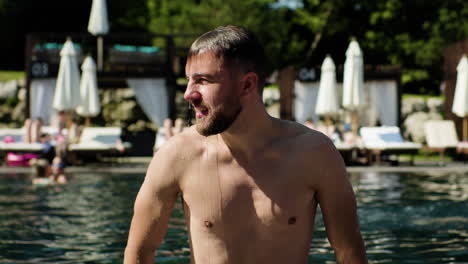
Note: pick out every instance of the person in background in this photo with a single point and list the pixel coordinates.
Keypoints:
(74, 132)
(309, 123)
(168, 132)
(179, 126)
(48, 152)
(42, 174)
(59, 121)
(57, 170)
(26, 138)
(32, 130)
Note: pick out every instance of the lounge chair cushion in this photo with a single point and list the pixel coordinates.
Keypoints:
(440, 134)
(385, 137)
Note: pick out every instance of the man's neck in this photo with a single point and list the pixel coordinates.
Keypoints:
(252, 131)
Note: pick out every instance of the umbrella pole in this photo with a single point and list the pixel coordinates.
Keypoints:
(68, 118)
(100, 43)
(87, 121)
(465, 128)
(327, 121)
(354, 122)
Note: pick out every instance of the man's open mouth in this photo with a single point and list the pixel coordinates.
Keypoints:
(200, 111)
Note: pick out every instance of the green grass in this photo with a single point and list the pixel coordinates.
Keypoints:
(11, 75)
(272, 86)
(423, 96)
(427, 155)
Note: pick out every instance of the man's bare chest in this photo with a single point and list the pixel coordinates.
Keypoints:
(247, 198)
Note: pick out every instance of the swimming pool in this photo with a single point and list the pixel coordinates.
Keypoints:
(405, 218)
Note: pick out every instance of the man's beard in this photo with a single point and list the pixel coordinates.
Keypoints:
(218, 120)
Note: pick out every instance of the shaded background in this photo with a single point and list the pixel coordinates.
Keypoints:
(412, 34)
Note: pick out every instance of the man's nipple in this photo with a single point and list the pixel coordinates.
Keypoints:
(292, 220)
(208, 224)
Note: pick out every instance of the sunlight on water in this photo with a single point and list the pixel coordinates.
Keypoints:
(405, 218)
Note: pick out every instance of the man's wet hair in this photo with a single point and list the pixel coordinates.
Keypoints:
(236, 46)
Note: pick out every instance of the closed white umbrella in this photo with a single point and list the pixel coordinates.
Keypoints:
(90, 104)
(99, 25)
(460, 99)
(353, 81)
(327, 100)
(67, 89)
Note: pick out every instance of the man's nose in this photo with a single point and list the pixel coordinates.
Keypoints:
(191, 93)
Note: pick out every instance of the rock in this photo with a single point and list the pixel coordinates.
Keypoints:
(435, 104)
(412, 104)
(124, 110)
(414, 125)
(127, 93)
(140, 125)
(8, 89)
(22, 94)
(18, 114)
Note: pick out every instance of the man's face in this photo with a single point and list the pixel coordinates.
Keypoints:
(213, 91)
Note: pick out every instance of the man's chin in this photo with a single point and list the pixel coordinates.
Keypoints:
(202, 127)
(206, 130)
(215, 124)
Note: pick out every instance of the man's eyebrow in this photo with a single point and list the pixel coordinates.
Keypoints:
(199, 74)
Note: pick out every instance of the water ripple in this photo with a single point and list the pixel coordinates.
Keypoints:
(404, 218)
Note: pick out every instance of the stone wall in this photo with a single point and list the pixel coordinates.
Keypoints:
(12, 103)
(119, 108)
(415, 111)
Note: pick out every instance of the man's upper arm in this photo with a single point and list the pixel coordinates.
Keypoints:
(152, 208)
(337, 202)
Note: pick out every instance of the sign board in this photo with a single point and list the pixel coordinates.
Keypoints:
(40, 69)
(307, 74)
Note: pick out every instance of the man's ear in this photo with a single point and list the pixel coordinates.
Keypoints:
(249, 83)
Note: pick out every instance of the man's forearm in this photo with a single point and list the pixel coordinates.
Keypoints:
(135, 256)
(352, 256)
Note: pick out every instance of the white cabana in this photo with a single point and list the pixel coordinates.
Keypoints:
(327, 99)
(99, 25)
(152, 96)
(382, 103)
(460, 99)
(42, 94)
(353, 82)
(90, 105)
(67, 91)
(305, 98)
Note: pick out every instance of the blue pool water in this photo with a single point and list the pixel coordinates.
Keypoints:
(405, 218)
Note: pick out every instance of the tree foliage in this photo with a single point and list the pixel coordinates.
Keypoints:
(412, 34)
(198, 16)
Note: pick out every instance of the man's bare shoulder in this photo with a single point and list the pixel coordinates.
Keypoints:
(174, 158)
(304, 138)
(184, 146)
(313, 150)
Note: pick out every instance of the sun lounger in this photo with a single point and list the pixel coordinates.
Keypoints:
(346, 150)
(441, 136)
(100, 140)
(15, 141)
(11, 141)
(378, 141)
(16, 133)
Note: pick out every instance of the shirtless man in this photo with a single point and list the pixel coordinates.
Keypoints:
(250, 183)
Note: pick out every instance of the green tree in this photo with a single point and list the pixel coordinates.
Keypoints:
(198, 16)
(414, 34)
